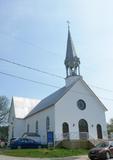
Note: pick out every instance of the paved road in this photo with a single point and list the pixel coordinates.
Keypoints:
(20, 158)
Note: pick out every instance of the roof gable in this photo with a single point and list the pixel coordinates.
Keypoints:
(93, 94)
(50, 100)
(56, 96)
(22, 106)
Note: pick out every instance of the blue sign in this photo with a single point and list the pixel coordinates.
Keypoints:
(50, 138)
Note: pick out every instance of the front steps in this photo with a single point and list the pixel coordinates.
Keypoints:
(76, 144)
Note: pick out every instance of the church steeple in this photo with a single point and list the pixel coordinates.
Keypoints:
(71, 62)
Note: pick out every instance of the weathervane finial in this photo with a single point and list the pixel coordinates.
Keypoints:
(68, 22)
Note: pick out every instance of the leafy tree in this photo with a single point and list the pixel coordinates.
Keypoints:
(110, 126)
(4, 109)
(4, 132)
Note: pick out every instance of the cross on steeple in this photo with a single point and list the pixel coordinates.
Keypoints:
(71, 62)
(68, 23)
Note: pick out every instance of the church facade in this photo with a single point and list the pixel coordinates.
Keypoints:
(73, 112)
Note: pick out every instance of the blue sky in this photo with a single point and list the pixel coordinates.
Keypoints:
(34, 33)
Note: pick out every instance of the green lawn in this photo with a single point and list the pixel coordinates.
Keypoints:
(44, 153)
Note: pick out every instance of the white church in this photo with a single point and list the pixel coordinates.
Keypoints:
(73, 112)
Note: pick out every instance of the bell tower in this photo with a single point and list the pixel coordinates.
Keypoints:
(72, 62)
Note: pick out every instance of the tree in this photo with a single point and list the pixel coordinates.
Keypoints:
(110, 126)
(4, 132)
(4, 109)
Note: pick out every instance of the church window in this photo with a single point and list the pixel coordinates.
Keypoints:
(81, 104)
(99, 131)
(47, 123)
(28, 127)
(12, 132)
(83, 129)
(65, 129)
(37, 127)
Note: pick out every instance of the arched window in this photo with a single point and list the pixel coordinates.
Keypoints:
(12, 132)
(36, 127)
(83, 129)
(28, 128)
(99, 131)
(47, 123)
(65, 129)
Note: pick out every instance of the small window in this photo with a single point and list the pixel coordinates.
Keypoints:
(28, 127)
(12, 132)
(47, 123)
(36, 127)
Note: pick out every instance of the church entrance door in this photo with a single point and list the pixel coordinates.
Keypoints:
(99, 131)
(65, 128)
(83, 129)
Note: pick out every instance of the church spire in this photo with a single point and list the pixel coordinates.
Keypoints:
(71, 62)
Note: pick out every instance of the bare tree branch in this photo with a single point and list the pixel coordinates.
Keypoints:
(4, 102)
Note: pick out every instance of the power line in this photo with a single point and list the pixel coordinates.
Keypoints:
(44, 72)
(28, 43)
(41, 71)
(46, 84)
(108, 90)
(31, 68)
(35, 69)
(48, 73)
(33, 45)
(29, 80)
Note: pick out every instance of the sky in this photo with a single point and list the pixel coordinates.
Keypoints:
(34, 33)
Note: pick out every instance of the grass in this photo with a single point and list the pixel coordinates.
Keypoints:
(43, 153)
